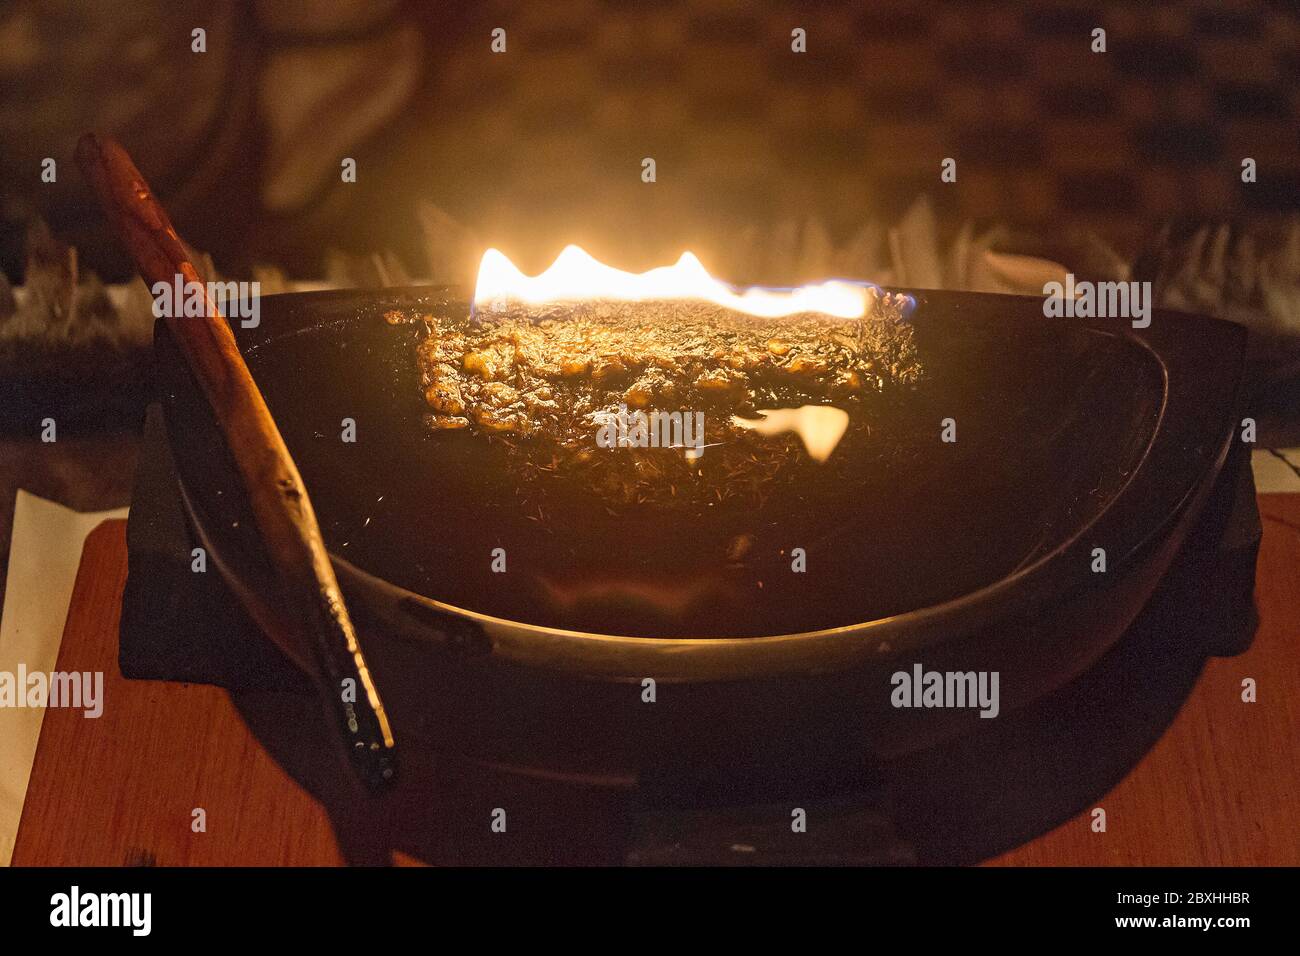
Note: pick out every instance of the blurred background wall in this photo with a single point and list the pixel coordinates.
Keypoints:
(542, 144)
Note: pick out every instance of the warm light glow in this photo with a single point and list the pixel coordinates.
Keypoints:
(820, 427)
(576, 275)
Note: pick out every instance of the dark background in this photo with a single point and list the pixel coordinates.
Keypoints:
(542, 145)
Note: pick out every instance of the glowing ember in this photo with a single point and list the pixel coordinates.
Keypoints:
(819, 427)
(575, 275)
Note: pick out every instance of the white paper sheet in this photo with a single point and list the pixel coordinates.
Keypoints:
(1272, 474)
(44, 554)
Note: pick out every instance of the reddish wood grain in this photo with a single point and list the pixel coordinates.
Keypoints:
(1220, 787)
(121, 789)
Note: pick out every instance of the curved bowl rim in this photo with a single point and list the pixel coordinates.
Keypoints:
(705, 658)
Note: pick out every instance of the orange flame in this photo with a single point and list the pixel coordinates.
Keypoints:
(575, 275)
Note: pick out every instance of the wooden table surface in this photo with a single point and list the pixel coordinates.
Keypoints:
(1221, 787)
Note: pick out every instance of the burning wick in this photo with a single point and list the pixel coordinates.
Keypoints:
(575, 275)
(819, 427)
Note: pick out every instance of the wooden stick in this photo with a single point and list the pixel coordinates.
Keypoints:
(283, 514)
